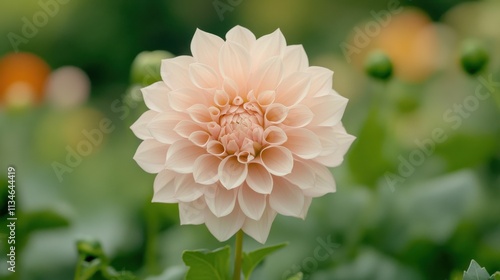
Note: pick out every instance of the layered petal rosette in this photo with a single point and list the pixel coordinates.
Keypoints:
(240, 131)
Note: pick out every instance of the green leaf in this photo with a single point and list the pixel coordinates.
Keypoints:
(495, 276)
(209, 265)
(252, 259)
(475, 272)
(88, 269)
(372, 138)
(44, 219)
(298, 276)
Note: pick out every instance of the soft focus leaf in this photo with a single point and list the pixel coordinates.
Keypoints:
(434, 207)
(370, 144)
(476, 272)
(252, 259)
(372, 265)
(209, 265)
(44, 219)
(495, 276)
(171, 273)
(298, 276)
(88, 269)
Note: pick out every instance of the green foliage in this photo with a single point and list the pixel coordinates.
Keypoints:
(252, 259)
(298, 276)
(476, 272)
(92, 260)
(209, 265)
(366, 157)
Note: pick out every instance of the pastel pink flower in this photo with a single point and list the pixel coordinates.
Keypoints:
(240, 131)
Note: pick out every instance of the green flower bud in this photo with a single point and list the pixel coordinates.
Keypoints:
(473, 56)
(90, 248)
(378, 65)
(146, 67)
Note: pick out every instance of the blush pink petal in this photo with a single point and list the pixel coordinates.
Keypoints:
(225, 227)
(251, 203)
(156, 97)
(267, 76)
(323, 181)
(293, 89)
(205, 169)
(286, 199)
(342, 142)
(220, 200)
(328, 109)
(259, 179)
(303, 143)
(181, 99)
(294, 60)
(274, 136)
(276, 113)
(175, 72)
(199, 113)
(181, 156)
(204, 45)
(242, 36)
(140, 126)
(186, 189)
(298, 116)
(192, 213)
(164, 187)
(187, 127)
(234, 63)
(232, 173)
(151, 155)
(305, 208)
(259, 230)
(204, 76)
(277, 160)
(302, 175)
(157, 127)
(321, 81)
(268, 46)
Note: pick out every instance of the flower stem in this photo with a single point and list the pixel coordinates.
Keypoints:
(238, 255)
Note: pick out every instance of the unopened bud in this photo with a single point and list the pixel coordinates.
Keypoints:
(378, 65)
(146, 67)
(473, 56)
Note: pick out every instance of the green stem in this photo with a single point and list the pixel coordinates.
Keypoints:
(238, 255)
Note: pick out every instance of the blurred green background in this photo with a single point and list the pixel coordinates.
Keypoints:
(409, 204)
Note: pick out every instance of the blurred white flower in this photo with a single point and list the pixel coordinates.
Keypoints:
(240, 131)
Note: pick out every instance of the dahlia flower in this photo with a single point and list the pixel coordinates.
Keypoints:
(240, 131)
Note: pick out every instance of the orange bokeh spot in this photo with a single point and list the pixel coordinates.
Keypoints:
(22, 76)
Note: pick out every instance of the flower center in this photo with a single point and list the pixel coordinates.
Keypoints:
(239, 129)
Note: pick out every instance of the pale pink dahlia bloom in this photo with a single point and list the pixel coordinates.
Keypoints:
(240, 131)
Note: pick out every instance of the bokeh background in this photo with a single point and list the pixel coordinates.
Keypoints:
(407, 206)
